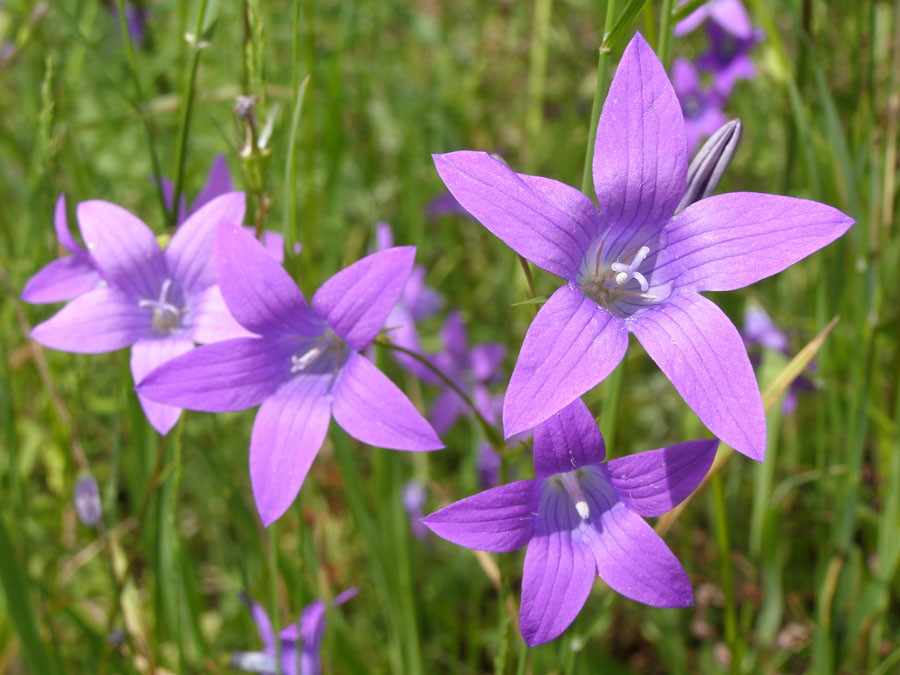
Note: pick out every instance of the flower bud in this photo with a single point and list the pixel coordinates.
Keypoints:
(87, 501)
(710, 162)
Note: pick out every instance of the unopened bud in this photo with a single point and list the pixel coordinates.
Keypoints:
(87, 501)
(710, 163)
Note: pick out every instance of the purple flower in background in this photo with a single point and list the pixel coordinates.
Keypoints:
(488, 462)
(414, 495)
(87, 501)
(306, 636)
(631, 266)
(581, 518)
(443, 205)
(470, 370)
(417, 301)
(702, 108)
(136, 20)
(67, 277)
(159, 302)
(729, 15)
(301, 366)
(728, 57)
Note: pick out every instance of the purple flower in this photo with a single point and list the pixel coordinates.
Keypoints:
(581, 518)
(159, 302)
(417, 301)
(301, 366)
(135, 20)
(444, 204)
(728, 57)
(306, 636)
(702, 108)
(87, 501)
(488, 462)
(414, 495)
(67, 277)
(630, 266)
(470, 370)
(729, 15)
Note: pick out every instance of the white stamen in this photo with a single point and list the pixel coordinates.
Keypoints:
(299, 363)
(573, 487)
(583, 510)
(628, 271)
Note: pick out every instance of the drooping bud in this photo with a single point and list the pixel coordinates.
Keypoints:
(87, 501)
(710, 163)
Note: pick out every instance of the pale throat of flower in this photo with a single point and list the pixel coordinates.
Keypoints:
(572, 485)
(166, 315)
(317, 353)
(604, 281)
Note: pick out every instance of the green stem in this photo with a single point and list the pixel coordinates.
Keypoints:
(666, 28)
(140, 106)
(587, 181)
(274, 605)
(721, 524)
(187, 101)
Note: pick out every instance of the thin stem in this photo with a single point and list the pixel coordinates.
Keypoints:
(141, 110)
(274, 605)
(528, 276)
(187, 101)
(489, 429)
(587, 181)
(666, 26)
(721, 524)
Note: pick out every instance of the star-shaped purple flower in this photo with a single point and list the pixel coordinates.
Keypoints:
(159, 302)
(631, 266)
(729, 15)
(417, 301)
(69, 276)
(728, 57)
(306, 636)
(579, 518)
(701, 107)
(471, 370)
(301, 366)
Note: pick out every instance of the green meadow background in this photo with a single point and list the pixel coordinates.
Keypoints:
(794, 562)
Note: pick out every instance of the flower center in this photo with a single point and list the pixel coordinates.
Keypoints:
(166, 315)
(570, 482)
(317, 356)
(611, 283)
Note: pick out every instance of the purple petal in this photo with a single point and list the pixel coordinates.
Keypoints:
(146, 355)
(692, 20)
(217, 183)
(88, 507)
(442, 205)
(190, 252)
(498, 520)
(547, 222)
(570, 347)
(454, 337)
(288, 431)
(312, 630)
(629, 555)
(447, 408)
(211, 320)
(729, 241)
(701, 352)
(732, 16)
(102, 320)
(759, 329)
(61, 225)
(62, 279)
(384, 237)
(640, 158)
(567, 441)
(371, 408)
(344, 596)
(486, 359)
(223, 376)
(559, 570)
(263, 624)
(123, 249)
(272, 241)
(258, 291)
(427, 302)
(168, 190)
(356, 301)
(685, 78)
(653, 482)
(414, 495)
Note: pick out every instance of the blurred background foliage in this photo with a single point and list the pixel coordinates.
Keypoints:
(799, 573)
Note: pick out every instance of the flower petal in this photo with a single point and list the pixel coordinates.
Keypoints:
(653, 482)
(559, 570)
(61, 225)
(498, 520)
(102, 320)
(190, 252)
(288, 431)
(62, 279)
(543, 220)
(701, 352)
(732, 16)
(728, 241)
(312, 630)
(123, 248)
(445, 410)
(263, 624)
(223, 376)
(570, 347)
(692, 20)
(371, 408)
(640, 156)
(629, 555)
(455, 337)
(486, 359)
(218, 182)
(356, 301)
(211, 320)
(258, 291)
(567, 441)
(146, 355)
